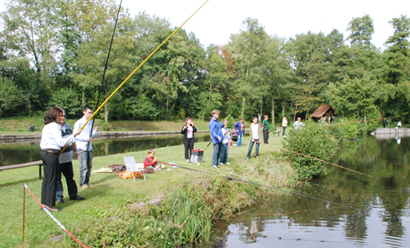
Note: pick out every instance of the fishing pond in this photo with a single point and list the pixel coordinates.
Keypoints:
(357, 211)
(23, 152)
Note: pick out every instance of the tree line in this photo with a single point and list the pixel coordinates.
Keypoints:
(53, 52)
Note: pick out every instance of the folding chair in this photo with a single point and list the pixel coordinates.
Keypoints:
(133, 167)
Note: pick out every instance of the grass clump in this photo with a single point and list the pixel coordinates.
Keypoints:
(184, 219)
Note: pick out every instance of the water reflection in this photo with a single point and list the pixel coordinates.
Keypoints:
(16, 153)
(376, 213)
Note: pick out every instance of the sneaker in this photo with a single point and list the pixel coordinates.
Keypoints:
(85, 186)
(187, 160)
(247, 158)
(227, 163)
(60, 201)
(215, 166)
(54, 209)
(90, 184)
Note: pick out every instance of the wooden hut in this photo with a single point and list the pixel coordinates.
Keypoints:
(324, 112)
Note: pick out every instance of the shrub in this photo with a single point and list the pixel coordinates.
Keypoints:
(344, 128)
(315, 140)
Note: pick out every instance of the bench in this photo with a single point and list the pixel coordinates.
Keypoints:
(276, 132)
(16, 166)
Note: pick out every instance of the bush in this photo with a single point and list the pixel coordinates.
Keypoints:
(313, 139)
(344, 128)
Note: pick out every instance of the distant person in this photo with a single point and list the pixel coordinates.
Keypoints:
(84, 146)
(216, 136)
(51, 143)
(399, 124)
(255, 131)
(298, 123)
(225, 144)
(265, 128)
(188, 131)
(66, 166)
(384, 122)
(150, 162)
(284, 125)
(240, 131)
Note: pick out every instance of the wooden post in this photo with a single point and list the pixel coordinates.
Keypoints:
(24, 211)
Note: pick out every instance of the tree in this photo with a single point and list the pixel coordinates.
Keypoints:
(361, 31)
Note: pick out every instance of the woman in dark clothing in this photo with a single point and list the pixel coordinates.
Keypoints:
(51, 144)
(188, 131)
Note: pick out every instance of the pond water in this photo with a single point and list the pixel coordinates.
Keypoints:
(16, 153)
(378, 212)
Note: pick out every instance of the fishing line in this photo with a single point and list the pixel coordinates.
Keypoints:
(257, 81)
(229, 177)
(281, 148)
(352, 122)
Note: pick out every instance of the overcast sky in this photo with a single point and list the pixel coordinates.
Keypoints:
(218, 19)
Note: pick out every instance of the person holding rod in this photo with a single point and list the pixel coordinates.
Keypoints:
(51, 144)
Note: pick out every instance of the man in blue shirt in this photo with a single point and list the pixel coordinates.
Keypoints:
(240, 131)
(216, 135)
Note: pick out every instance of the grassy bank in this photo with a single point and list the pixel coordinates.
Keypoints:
(21, 125)
(105, 219)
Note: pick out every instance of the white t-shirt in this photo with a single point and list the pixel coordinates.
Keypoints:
(255, 129)
(190, 133)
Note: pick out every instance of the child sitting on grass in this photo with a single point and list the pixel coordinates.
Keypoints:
(150, 162)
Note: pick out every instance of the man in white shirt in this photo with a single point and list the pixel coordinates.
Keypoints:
(298, 123)
(84, 146)
(255, 133)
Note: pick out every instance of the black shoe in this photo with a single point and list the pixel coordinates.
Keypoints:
(60, 201)
(77, 197)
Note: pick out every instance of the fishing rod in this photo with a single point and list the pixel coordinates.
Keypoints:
(103, 77)
(133, 72)
(229, 177)
(321, 160)
(143, 62)
(257, 81)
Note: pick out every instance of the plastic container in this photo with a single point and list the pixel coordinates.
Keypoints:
(197, 156)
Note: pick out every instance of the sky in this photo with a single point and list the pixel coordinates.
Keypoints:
(218, 19)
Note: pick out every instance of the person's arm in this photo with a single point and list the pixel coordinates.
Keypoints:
(148, 162)
(183, 130)
(80, 137)
(194, 128)
(56, 133)
(75, 150)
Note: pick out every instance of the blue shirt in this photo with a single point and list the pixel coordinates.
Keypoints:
(215, 128)
(237, 126)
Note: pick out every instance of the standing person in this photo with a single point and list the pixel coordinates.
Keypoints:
(284, 125)
(384, 122)
(240, 131)
(51, 143)
(255, 133)
(298, 123)
(188, 131)
(216, 135)
(225, 144)
(265, 128)
(399, 124)
(66, 166)
(84, 146)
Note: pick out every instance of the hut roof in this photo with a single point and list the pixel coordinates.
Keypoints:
(321, 110)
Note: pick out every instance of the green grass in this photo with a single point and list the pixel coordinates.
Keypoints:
(110, 194)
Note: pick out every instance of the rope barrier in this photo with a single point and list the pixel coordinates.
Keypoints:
(230, 177)
(52, 217)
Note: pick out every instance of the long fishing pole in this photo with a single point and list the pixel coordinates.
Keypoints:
(257, 81)
(103, 77)
(143, 62)
(229, 177)
(133, 72)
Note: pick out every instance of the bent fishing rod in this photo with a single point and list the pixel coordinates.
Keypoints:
(133, 72)
(257, 81)
(103, 77)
